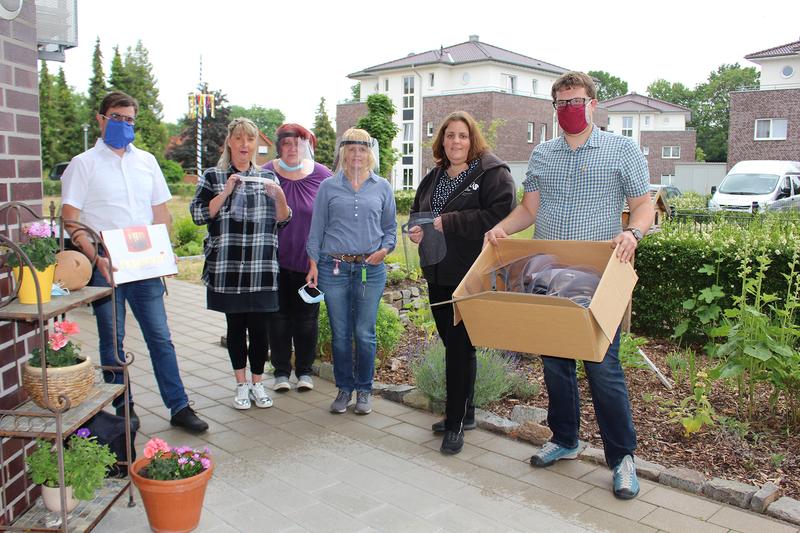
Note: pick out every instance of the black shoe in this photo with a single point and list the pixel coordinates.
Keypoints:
(188, 419)
(135, 423)
(452, 443)
(439, 427)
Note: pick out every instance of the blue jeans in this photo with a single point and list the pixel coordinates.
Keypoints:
(352, 312)
(146, 299)
(609, 396)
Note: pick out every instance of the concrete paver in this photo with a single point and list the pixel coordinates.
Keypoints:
(296, 467)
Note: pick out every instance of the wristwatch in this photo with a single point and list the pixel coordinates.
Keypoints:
(637, 234)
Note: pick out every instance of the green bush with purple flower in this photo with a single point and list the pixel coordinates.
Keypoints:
(173, 463)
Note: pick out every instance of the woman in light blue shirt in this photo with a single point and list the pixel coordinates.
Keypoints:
(353, 229)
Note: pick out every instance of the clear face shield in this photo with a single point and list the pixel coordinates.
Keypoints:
(355, 160)
(432, 247)
(294, 153)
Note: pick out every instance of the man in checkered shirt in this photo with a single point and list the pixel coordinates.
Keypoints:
(575, 189)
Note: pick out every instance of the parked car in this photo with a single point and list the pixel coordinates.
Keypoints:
(58, 169)
(757, 185)
(670, 190)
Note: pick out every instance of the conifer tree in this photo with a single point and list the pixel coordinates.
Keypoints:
(47, 118)
(97, 91)
(66, 105)
(326, 137)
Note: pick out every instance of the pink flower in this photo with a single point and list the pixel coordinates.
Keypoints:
(57, 341)
(206, 463)
(154, 446)
(66, 327)
(39, 229)
(183, 461)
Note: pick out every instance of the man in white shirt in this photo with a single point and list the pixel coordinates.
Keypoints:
(115, 185)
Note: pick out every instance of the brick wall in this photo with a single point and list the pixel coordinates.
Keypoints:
(656, 140)
(746, 107)
(20, 179)
(347, 115)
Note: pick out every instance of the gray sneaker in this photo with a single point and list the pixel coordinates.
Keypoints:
(363, 403)
(281, 384)
(341, 402)
(305, 383)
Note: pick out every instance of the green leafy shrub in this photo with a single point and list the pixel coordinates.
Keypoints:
(172, 170)
(689, 200)
(493, 380)
(404, 200)
(388, 330)
(182, 189)
(187, 237)
(522, 388)
(671, 265)
(51, 187)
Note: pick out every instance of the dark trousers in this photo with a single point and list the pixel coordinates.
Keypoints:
(609, 396)
(241, 328)
(295, 321)
(460, 360)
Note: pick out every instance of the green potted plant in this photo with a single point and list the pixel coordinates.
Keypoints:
(68, 373)
(172, 483)
(86, 463)
(41, 250)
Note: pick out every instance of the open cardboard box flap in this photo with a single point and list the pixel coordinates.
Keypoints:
(544, 324)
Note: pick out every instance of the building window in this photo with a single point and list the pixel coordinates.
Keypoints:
(262, 150)
(666, 179)
(431, 80)
(771, 129)
(542, 133)
(429, 129)
(386, 85)
(787, 71)
(645, 150)
(408, 92)
(408, 138)
(671, 152)
(510, 83)
(647, 120)
(535, 86)
(627, 126)
(408, 179)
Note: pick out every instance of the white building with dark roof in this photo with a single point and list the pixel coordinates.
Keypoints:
(487, 81)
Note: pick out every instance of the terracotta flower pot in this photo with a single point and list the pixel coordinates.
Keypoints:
(172, 506)
(51, 496)
(27, 289)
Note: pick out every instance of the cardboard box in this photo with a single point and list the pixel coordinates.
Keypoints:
(545, 325)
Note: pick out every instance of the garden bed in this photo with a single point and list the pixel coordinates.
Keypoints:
(754, 453)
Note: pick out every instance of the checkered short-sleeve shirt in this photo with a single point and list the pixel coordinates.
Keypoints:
(583, 191)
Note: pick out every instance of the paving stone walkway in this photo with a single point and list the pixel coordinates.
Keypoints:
(296, 467)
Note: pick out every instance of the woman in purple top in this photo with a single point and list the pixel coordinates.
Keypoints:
(295, 321)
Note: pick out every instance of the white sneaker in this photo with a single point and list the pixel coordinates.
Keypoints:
(305, 382)
(260, 396)
(242, 398)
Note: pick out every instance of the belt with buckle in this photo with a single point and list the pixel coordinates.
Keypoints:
(350, 258)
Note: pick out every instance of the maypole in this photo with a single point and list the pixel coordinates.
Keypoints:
(201, 105)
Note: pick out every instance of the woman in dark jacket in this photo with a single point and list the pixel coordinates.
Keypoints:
(468, 192)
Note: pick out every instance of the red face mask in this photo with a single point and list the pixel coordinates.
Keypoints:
(573, 120)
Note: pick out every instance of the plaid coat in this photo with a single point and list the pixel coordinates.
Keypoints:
(241, 249)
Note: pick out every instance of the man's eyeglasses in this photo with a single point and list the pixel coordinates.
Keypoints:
(116, 117)
(572, 102)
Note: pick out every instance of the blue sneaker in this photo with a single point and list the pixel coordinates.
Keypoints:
(626, 485)
(552, 452)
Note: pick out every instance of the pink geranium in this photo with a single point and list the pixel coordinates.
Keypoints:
(57, 341)
(67, 328)
(154, 446)
(39, 229)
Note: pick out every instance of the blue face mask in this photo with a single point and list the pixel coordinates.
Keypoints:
(119, 134)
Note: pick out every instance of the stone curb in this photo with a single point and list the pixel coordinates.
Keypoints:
(764, 500)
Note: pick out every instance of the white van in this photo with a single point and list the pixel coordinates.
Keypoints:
(764, 184)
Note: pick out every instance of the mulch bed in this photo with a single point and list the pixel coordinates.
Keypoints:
(763, 450)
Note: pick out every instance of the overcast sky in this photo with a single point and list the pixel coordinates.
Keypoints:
(288, 54)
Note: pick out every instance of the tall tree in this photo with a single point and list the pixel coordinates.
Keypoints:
(326, 137)
(214, 132)
(266, 119)
(66, 105)
(97, 91)
(675, 93)
(378, 122)
(608, 86)
(48, 120)
(712, 117)
(355, 92)
(135, 77)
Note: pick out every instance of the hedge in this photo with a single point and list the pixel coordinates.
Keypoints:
(668, 264)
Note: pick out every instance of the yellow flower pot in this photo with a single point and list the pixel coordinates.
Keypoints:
(27, 289)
